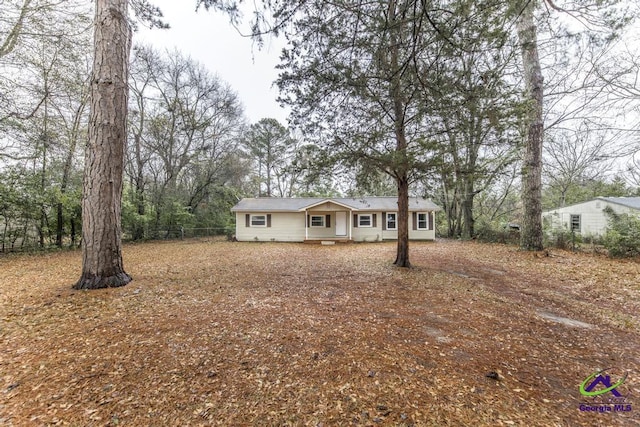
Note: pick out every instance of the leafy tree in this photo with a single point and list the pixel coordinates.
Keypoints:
(48, 67)
(586, 189)
(352, 75)
(30, 28)
(13, 26)
(623, 234)
(314, 173)
(270, 145)
(477, 108)
(364, 78)
(185, 127)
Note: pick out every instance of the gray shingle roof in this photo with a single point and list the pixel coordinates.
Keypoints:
(630, 202)
(296, 204)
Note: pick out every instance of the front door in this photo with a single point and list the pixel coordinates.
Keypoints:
(341, 223)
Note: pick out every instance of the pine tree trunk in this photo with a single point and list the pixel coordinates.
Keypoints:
(401, 165)
(102, 264)
(402, 253)
(531, 237)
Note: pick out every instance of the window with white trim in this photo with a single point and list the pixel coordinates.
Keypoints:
(423, 221)
(258, 220)
(392, 221)
(575, 223)
(317, 220)
(364, 220)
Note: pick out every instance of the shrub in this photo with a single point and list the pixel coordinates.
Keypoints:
(623, 235)
(562, 239)
(493, 233)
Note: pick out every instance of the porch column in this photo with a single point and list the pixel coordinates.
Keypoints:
(306, 226)
(350, 223)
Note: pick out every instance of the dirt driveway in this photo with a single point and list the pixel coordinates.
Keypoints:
(217, 333)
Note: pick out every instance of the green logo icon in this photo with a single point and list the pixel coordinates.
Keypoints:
(605, 380)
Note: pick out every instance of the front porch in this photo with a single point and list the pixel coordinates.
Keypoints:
(328, 221)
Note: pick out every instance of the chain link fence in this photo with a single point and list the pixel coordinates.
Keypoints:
(31, 243)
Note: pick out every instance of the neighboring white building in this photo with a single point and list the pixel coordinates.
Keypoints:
(588, 218)
(302, 219)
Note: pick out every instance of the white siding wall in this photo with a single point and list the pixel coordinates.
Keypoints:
(593, 221)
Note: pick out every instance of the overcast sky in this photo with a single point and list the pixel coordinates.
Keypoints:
(209, 38)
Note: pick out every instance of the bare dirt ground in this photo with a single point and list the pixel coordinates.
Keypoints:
(217, 333)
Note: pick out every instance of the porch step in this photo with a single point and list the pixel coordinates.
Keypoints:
(327, 242)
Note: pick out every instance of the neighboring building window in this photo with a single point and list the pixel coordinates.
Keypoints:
(258, 220)
(575, 223)
(364, 220)
(392, 221)
(317, 220)
(423, 221)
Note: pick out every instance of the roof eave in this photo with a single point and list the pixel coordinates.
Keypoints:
(261, 210)
(616, 202)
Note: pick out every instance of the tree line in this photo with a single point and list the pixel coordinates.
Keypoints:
(455, 98)
(190, 153)
(448, 99)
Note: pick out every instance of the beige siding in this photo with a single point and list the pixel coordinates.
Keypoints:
(422, 234)
(389, 234)
(373, 234)
(322, 232)
(368, 234)
(285, 227)
(290, 227)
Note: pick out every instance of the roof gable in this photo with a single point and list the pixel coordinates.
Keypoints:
(327, 204)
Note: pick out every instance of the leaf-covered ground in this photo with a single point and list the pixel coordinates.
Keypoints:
(218, 333)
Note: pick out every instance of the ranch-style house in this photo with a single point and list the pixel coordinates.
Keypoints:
(304, 219)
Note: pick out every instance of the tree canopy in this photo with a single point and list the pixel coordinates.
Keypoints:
(426, 98)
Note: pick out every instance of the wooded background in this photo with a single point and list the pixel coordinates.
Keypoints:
(431, 93)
